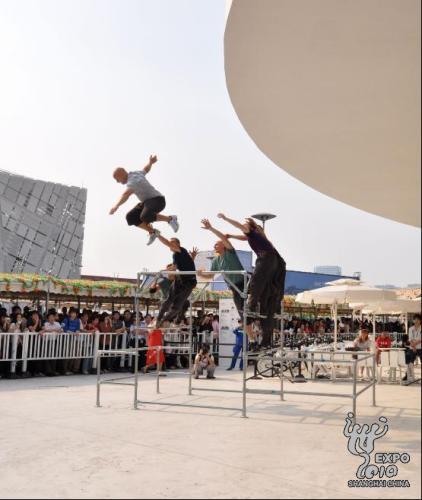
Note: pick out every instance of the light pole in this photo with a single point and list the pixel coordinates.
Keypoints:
(263, 218)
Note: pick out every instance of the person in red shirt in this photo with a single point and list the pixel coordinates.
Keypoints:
(155, 339)
(383, 341)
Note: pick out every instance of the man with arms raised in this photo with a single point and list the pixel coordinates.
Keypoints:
(182, 286)
(152, 202)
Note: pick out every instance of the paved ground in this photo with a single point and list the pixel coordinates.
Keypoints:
(54, 442)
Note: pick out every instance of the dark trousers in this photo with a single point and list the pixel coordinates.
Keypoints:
(267, 289)
(177, 300)
(238, 301)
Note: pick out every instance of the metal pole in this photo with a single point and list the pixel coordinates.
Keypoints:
(374, 331)
(98, 379)
(244, 345)
(354, 389)
(335, 324)
(406, 326)
(374, 379)
(190, 346)
(158, 352)
(282, 353)
(135, 388)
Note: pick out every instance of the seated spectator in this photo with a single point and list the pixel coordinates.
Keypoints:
(362, 343)
(383, 341)
(413, 348)
(204, 361)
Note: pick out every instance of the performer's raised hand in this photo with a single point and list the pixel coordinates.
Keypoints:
(194, 252)
(221, 216)
(206, 224)
(153, 159)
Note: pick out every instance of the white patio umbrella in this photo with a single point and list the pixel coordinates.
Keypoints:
(344, 291)
(397, 306)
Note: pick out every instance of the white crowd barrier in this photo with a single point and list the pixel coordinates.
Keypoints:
(31, 346)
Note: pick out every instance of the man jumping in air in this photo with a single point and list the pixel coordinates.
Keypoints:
(266, 287)
(182, 286)
(152, 202)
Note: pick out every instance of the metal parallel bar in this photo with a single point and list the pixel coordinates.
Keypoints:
(190, 273)
(371, 384)
(115, 383)
(237, 391)
(184, 405)
(304, 393)
(242, 294)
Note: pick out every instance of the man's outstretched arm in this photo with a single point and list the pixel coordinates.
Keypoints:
(174, 247)
(233, 222)
(207, 225)
(152, 160)
(123, 199)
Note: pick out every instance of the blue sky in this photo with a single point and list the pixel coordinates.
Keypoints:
(91, 84)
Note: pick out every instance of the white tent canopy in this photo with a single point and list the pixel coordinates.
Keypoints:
(345, 291)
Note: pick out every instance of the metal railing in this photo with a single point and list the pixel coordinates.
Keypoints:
(23, 347)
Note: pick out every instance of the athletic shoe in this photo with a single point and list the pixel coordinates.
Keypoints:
(153, 236)
(229, 369)
(173, 223)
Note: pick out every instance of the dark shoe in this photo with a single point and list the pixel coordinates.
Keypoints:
(229, 369)
(404, 379)
(210, 378)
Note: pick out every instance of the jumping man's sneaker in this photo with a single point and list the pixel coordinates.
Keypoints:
(153, 236)
(173, 223)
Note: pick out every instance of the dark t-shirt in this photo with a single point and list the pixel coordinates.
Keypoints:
(259, 243)
(184, 262)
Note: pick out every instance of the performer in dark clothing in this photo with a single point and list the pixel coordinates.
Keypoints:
(266, 287)
(181, 287)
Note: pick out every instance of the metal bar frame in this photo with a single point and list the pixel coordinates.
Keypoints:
(244, 391)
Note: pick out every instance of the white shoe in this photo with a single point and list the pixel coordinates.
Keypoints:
(153, 237)
(173, 223)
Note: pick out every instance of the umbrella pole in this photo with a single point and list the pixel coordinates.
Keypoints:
(335, 324)
(374, 330)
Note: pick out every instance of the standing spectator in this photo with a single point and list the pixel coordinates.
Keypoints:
(73, 326)
(92, 327)
(127, 320)
(35, 326)
(237, 349)
(50, 330)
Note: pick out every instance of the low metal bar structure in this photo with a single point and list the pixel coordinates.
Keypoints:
(279, 355)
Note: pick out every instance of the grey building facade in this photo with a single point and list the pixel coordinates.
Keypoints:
(41, 226)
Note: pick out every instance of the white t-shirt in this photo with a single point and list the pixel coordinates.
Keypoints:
(52, 327)
(140, 186)
(415, 334)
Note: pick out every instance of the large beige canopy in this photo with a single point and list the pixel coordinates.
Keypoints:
(330, 91)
